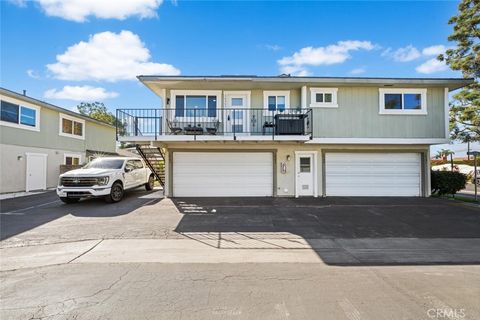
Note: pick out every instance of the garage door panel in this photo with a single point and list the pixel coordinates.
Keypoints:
(208, 174)
(373, 174)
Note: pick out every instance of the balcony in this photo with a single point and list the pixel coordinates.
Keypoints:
(254, 124)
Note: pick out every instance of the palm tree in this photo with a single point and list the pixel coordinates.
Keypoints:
(443, 154)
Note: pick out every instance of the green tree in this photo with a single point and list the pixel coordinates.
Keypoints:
(98, 111)
(465, 57)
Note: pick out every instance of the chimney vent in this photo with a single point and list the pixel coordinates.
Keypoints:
(24, 92)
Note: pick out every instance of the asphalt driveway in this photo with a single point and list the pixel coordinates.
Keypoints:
(340, 231)
(154, 258)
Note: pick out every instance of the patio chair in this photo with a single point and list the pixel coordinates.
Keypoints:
(173, 129)
(213, 129)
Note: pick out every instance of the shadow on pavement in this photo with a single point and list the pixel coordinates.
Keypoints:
(342, 231)
(26, 213)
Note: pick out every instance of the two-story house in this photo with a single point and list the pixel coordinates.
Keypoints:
(293, 136)
(36, 138)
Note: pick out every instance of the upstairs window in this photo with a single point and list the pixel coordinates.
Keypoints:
(195, 105)
(403, 101)
(71, 127)
(276, 101)
(323, 97)
(19, 116)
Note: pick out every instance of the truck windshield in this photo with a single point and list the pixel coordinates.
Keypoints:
(105, 164)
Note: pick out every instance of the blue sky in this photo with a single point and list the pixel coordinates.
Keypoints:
(63, 52)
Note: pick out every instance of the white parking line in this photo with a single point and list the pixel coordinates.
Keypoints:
(18, 212)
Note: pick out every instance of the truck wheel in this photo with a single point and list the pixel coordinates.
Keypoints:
(150, 183)
(116, 193)
(69, 200)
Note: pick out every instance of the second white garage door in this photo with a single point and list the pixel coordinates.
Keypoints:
(222, 174)
(373, 174)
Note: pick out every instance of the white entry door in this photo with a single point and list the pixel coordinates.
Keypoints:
(305, 174)
(36, 178)
(236, 114)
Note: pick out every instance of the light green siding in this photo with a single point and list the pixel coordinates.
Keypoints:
(97, 137)
(357, 116)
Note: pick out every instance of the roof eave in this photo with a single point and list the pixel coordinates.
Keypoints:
(16, 95)
(451, 83)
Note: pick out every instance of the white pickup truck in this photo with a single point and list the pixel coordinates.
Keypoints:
(105, 177)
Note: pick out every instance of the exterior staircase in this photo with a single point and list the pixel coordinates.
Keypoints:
(155, 160)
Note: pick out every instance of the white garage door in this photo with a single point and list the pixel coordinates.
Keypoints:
(223, 174)
(373, 174)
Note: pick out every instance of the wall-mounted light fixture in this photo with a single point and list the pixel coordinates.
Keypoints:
(288, 157)
(168, 101)
(20, 158)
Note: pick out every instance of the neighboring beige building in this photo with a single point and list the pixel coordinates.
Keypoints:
(36, 138)
(293, 136)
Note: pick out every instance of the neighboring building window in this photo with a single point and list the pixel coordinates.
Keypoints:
(403, 101)
(323, 97)
(10, 112)
(19, 116)
(67, 126)
(276, 101)
(71, 127)
(72, 159)
(196, 105)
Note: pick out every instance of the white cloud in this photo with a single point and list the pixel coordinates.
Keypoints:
(80, 10)
(295, 71)
(310, 56)
(273, 47)
(358, 71)
(108, 56)
(434, 50)
(332, 54)
(405, 54)
(33, 74)
(19, 3)
(80, 93)
(432, 66)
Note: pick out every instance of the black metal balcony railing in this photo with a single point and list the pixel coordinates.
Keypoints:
(219, 122)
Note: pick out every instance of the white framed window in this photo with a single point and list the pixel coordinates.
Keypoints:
(71, 127)
(323, 97)
(276, 101)
(403, 101)
(195, 103)
(19, 116)
(70, 159)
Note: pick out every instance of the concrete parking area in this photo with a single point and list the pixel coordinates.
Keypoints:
(242, 258)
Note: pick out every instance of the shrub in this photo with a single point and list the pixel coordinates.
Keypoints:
(436, 162)
(447, 182)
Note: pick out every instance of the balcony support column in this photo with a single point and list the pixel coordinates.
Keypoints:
(303, 97)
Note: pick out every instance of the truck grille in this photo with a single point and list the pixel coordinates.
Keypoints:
(78, 194)
(78, 182)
